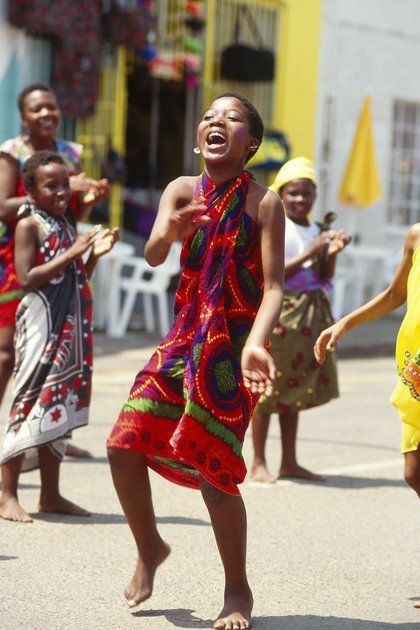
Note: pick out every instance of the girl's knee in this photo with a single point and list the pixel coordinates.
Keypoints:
(120, 457)
(211, 494)
(412, 471)
(6, 360)
(412, 479)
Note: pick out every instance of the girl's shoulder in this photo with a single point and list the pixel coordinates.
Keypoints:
(27, 225)
(413, 237)
(262, 199)
(70, 151)
(16, 148)
(182, 188)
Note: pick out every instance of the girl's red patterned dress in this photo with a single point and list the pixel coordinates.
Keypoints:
(188, 409)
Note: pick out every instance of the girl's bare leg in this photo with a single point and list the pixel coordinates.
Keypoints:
(228, 517)
(75, 451)
(412, 470)
(412, 478)
(50, 499)
(131, 481)
(289, 466)
(259, 470)
(7, 357)
(10, 508)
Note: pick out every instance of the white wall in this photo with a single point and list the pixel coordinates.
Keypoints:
(367, 47)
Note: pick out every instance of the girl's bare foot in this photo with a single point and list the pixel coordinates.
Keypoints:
(298, 472)
(141, 585)
(259, 472)
(60, 505)
(10, 510)
(416, 604)
(75, 451)
(236, 613)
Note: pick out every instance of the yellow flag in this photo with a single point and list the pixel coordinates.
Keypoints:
(361, 185)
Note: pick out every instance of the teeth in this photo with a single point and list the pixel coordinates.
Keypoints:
(215, 136)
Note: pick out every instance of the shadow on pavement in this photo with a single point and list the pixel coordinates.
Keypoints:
(358, 483)
(185, 618)
(182, 520)
(311, 622)
(87, 460)
(179, 617)
(8, 558)
(98, 518)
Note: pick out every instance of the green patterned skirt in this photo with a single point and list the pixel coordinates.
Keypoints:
(300, 382)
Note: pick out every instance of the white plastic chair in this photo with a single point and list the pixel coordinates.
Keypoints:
(146, 281)
(342, 281)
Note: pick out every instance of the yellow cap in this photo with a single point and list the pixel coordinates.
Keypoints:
(298, 168)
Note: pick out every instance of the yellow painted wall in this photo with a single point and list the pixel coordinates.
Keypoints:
(297, 74)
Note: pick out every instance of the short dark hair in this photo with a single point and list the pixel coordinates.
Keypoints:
(256, 125)
(42, 87)
(40, 158)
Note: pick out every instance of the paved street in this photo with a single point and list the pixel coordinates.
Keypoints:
(343, 555)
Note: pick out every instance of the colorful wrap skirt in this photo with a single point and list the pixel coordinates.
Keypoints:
(53, 347)
(188, 409)
(300, 381)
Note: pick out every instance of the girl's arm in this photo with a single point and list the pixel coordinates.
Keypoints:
(32, 277)
(9, 203)
(390, 299)
(292, 265)
(176, 219)
(102, 245)
(338, 243)
(90, 191)
(257, 365)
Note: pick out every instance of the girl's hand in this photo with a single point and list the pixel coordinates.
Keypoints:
(258, 370)
(321, 241)
(183, 221)
(81, 183)
(339, 242)
(96, 193)
(82, 243)
(105, 242)
(327, 340)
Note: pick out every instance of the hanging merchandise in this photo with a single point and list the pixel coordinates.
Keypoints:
(243, 62)
(274, 151)
(39, 17)
(78, 30)
(148, 52)
(193, 43)
(76, 69)
(126, 26)
(166, 65)
(76, 27)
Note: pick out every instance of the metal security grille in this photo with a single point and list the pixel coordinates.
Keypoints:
(107, 127)
(220, 32)
(404, 206)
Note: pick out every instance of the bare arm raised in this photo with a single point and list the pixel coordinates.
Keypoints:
(178, 216)
(390, 299)
(9, 203)
(33, 276)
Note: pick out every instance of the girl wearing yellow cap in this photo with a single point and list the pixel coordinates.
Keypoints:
(301, 383)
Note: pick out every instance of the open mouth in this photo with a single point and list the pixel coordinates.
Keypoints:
(215, 139)
(50, 122)
(61, 203)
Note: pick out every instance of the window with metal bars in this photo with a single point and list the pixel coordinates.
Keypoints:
(404, 198)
